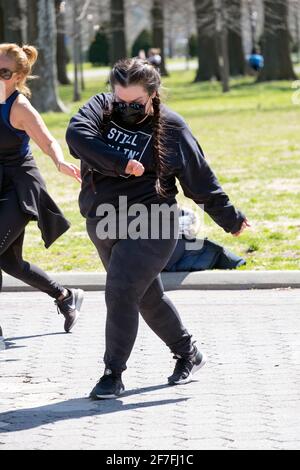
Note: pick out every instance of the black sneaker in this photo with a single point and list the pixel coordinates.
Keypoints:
(70, 308)
(109, 386)
(185, 368)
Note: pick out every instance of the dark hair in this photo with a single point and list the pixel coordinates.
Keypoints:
(137, 71)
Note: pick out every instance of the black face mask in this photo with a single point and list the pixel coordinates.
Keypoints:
(130, 113)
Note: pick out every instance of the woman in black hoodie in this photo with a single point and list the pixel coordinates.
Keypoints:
(132, 148)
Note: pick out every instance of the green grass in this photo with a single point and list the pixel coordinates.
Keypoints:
(250, 137)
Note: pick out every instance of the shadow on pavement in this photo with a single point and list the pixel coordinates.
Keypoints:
(35, 336)
(29, 418)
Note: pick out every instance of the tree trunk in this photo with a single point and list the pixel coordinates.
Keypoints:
(42, 34)
(157, 13)
(206, 41)
(222, 43)
(1, 23)
(237, 64)
(12, 25)
(297, 11)
(61, 51)
(253, 21)
(117, 31)
(76, 52)
(81, 60)
(276, 47)
(235, 43)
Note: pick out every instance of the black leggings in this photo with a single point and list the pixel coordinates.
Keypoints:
(134, 285)
(12, 229)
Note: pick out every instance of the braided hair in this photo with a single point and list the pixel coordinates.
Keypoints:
(137, 71)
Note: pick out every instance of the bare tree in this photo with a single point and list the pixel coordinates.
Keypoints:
(179, 27)
(61, 51)
(79, 13)
(76, 51)
(157, 13)
(252, 15)
(276, 43)
(117, 31)
(206, 39)
(297, 24)
(295, 15)
(235, 42)
(11, 21)
(222, 42)
(42, 34)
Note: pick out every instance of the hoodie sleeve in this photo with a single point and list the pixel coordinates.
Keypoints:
(85, 142)
(199, 183)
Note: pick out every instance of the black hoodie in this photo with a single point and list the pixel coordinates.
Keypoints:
(104, 155)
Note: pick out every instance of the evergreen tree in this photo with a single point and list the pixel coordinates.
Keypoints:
(99, 50)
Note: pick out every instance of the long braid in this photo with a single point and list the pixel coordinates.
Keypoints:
(158, 147)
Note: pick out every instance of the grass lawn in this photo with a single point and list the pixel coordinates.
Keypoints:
(250, 137)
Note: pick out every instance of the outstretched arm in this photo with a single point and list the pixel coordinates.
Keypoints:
(25, 117)
(200, 183)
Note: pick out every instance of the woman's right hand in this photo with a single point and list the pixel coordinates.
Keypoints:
(245, 224)
(134, 168)
(70, 170)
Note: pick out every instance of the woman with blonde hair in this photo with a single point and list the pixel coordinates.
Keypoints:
(23, 193)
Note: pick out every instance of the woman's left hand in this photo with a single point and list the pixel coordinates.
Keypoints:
(70, 170)
(245, 224)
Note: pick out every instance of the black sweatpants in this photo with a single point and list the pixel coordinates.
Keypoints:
(134, 285)
(12, 229)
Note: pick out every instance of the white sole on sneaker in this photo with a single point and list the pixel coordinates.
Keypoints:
(110, 396)
(192, 373)
(74, 322)
(78, 304)
(104, 397)
(79, 299)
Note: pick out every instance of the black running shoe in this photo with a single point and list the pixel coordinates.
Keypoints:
(185, 368)
(70, 308)
(109, 386)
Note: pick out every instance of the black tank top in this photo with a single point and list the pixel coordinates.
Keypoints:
(14, 143)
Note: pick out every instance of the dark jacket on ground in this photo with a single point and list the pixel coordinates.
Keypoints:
(211, 255)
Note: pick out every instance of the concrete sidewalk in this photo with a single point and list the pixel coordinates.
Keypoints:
(207, 280)
(246, 397)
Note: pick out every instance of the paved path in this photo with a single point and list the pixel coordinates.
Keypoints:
(246, 397)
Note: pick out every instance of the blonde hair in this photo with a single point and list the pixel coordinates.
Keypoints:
(24, 58)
